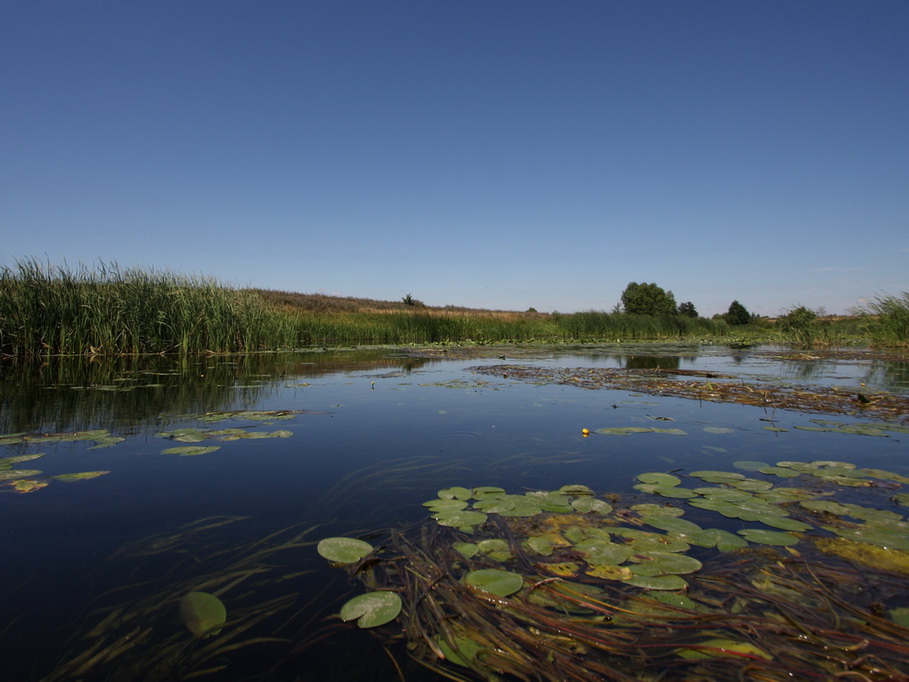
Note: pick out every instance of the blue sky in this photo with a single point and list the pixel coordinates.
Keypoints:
(493, 153)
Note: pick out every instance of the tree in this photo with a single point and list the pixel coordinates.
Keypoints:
(687, 309)
(737, 314)
(647, 299)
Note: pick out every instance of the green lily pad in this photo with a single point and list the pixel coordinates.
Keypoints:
(27, 485)
(670, 523)
(83, 476)
(343, 550)
(460, 518)
(575, 489)
(667, 480)
(445, 505)
(768, 537)
(487, 491)
(466, 549)
(191, 450)
(658, 582)
(749, 465)
(467, 650)
(12, 474)
(591, 505)
(541, 545)
(202, 613)
(372, 609)
(495, 581)
(456, 492)
(663, 563)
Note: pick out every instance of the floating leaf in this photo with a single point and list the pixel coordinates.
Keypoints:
(660, 479)
(495, 581)
(372, 609)
(670, 523)
(467, 650)
(541, 545)
(202, 613)
(191, 450)
(18, 473)
(441, 505)
(485, 492)
(768, 537)
(749, 465)
(343, 550)
(456, 492)
(466, 549)
(663, 563)
(460, 518)
(658, 582)
(588, 505)
(27, 485)
(718, 429)
(575, 490)
(83, 476)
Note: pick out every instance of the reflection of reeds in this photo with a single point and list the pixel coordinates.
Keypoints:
(141, 637)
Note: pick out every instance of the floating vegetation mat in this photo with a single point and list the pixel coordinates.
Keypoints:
(775, 571)
(713, 387)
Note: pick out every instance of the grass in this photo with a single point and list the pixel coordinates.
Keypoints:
(888, 320)
(52, 310)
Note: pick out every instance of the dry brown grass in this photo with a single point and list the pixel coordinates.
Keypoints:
(322, 303)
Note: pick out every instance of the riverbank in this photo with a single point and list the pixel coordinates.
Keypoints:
(48, 310)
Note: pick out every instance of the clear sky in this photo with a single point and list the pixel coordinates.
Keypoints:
(488, 153)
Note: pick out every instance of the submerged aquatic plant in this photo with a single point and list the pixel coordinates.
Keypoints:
(545, 585)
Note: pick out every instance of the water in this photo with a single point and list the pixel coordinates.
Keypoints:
(377, 432)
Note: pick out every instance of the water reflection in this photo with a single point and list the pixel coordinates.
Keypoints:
(64, 394)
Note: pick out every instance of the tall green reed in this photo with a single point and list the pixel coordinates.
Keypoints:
(888, 320)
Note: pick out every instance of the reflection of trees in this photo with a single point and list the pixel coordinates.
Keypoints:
(62, 394)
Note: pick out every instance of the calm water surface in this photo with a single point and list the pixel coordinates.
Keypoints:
(379, 433)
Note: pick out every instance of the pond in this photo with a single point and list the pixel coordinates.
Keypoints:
(126, 483)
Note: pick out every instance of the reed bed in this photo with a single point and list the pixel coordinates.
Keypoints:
(888, 320)
(52, 310)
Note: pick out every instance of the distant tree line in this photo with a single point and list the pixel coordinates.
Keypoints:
(649, 299)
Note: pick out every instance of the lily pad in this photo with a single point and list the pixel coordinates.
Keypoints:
(659, 479)
(588, 505)
(460, 518)
(456, 492)
(83, 476)
(372, 609)
(202, 613)
(467, 650)
(495, 581)
(191, 450)
(768, 537)
(343, 550)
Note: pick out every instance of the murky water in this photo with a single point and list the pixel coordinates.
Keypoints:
(373, 434)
